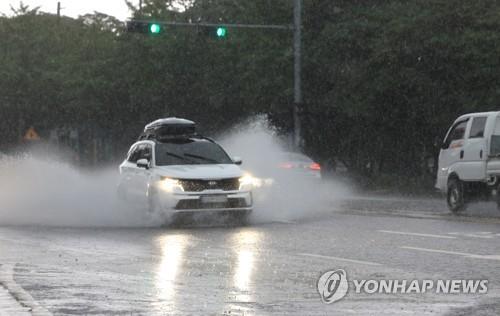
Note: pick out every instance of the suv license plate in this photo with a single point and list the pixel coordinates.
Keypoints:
(214, 199)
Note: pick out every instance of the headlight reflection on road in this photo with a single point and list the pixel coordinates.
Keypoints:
(244, 267)
(172, 255)
(245, 243)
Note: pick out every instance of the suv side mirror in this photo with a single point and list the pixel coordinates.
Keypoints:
(237, 160)
(143, 163)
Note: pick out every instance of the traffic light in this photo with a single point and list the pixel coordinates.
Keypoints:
(144, 27)
(221, 32)
(154, 28)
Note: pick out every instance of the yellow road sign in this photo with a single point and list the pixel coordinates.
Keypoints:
(31, 134)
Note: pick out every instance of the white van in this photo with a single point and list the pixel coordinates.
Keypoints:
(469, 161)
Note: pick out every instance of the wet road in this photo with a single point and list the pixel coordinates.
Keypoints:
(261, 269)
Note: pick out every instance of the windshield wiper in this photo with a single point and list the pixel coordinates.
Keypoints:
(179, 157)
(201, 157)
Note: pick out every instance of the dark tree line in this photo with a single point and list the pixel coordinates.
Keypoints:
(382, 79)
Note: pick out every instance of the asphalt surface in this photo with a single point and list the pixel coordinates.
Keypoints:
(264, 268)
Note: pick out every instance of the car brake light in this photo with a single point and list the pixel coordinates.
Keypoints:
(315, 166)
(286, 165)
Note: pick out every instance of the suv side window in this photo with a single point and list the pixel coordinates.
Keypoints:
(135, 154)
(456, 133)
(477, 128)
(146, 152)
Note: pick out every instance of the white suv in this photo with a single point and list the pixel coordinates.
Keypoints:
(469, 161)
(173, 170)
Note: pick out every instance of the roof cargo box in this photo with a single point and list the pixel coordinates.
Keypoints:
(169, 128)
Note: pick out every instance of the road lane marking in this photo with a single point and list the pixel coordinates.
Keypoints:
(10, 306)
(416, 234)
(463, 254)
(23, 297)
(340, 259)
(484, 235)
(280, 221)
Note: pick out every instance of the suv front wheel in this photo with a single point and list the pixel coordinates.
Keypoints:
(156, 209)
(455, 196)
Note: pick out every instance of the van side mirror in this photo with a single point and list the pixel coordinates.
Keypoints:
(143, 163)
(442, 144)
(237, 160)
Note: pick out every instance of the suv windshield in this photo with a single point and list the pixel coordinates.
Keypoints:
(190, 152)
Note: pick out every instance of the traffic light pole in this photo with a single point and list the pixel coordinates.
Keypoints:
(297, 72)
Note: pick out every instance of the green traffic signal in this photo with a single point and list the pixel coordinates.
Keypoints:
(221, 32)
(154, 28)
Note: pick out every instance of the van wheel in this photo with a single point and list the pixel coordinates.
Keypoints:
(455, 196)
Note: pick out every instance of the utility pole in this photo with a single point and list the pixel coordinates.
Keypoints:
(297, 65)
(58, 9)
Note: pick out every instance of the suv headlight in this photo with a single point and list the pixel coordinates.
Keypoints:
(248, 182)
(170, 185)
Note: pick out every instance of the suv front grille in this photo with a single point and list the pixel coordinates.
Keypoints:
(230, 184)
